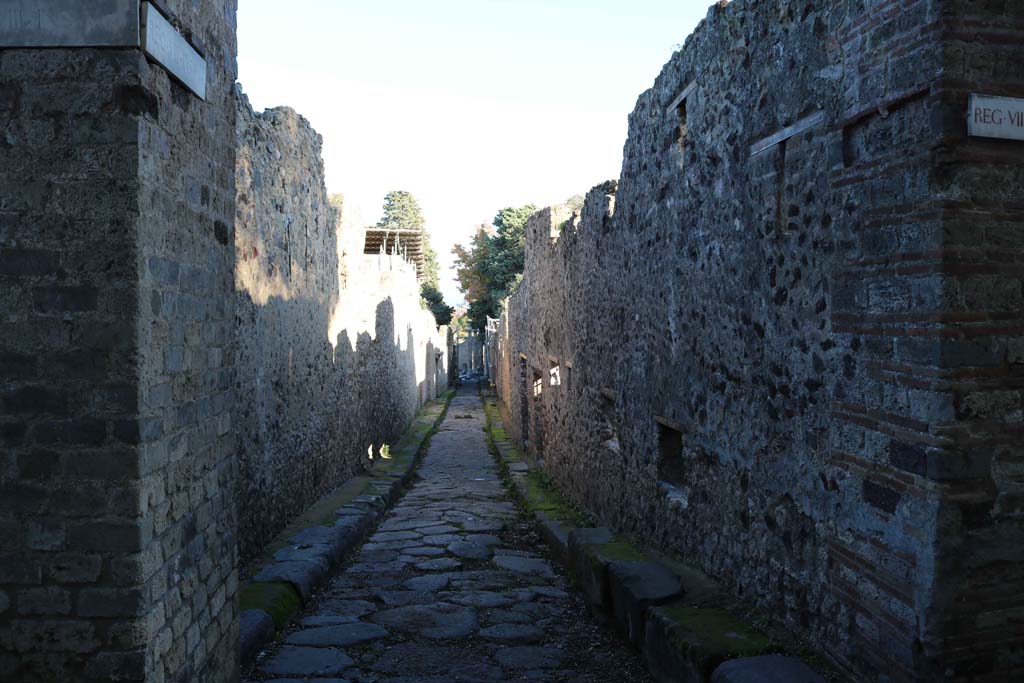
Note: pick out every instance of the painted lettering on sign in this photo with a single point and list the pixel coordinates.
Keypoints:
(166, 46)
(996, 117)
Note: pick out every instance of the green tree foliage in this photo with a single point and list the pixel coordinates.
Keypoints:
(434, 300)
(489, 268)
(460, 323)
(401, 210)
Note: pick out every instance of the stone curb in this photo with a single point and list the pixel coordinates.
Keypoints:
(674, 619)
(318, 549)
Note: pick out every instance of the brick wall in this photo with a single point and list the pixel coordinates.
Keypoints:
(69, 507)
(117, 543)
(797, 362)
(186, 359)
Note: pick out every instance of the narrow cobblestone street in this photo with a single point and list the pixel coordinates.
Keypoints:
(453, 586)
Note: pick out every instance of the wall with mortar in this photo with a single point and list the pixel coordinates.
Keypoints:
(335, 353)
(186, 358)
(799, 364)
(117, 540)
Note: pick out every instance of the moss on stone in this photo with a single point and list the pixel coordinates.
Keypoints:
(621, 551)
(542, 495)
(538, 492)
(714, 634)
(280, 600)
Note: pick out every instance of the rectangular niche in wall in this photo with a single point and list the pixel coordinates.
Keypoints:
(678, 108)
(671, 462)
(670, 454)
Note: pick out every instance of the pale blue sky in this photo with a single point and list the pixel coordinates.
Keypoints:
(471, 105)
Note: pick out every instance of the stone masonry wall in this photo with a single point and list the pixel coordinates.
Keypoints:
(335, 354)
(797, 360)
(186, 358)
(69, 508)
(117, 539)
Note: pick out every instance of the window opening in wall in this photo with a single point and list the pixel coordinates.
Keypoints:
(567, 386)
(555, 374)
(609, 427)
(538, 384)
(678, 105)
(682, 131)
(671, 468)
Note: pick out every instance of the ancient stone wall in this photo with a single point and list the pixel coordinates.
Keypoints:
(787, 345)
(117, 523)
(335, 353)
(186, 357)
(66, 524)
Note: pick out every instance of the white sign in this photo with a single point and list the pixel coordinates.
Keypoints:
(996, 117)
(169, 48)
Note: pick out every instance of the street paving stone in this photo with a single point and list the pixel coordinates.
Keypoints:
(339, 635)
(441, 563)
(451, 588)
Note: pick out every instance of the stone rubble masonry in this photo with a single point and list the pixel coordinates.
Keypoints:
(117, 470)
(803, 368)
(335, 354)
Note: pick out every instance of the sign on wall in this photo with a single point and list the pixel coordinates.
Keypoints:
(996, 117)
(69, 23)
(162, 42)
(103, 23)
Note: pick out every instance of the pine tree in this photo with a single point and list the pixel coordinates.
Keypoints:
(402, 211)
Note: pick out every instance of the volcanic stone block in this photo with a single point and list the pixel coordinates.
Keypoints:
(320, 554)
(587, 569)
(307, 661)
(765, 669)
(305, 576)
(255, 629)
(338, 635)
(556, 535)
(685, 644)
(633, 588)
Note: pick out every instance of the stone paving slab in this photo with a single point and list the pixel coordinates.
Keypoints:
(307, 661)
(766, 669)
(453, 586)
